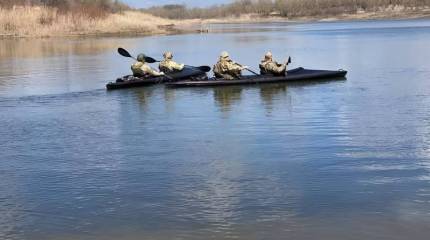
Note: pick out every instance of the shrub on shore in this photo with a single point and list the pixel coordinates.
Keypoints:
(88, 8)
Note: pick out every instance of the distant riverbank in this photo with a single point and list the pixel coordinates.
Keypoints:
(388, 13)
(34, 21)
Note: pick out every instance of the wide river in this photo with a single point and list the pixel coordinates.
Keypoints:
(342, 159)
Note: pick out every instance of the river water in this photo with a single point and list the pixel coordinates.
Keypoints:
(344, 159)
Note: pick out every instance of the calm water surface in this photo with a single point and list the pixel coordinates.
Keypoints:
(346, 159)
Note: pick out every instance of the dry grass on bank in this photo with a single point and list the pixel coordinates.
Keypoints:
(291, 9)
(34, 21)
(391, 12)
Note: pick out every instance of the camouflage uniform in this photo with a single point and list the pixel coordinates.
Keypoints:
(227, 69)
(142, 69)
(268, 66)
(168, 65)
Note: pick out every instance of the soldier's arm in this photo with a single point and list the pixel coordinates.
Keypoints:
(177, 66)
(274, 67)
(149, 70)
(236, 66)
(280, 68)
(271, 66)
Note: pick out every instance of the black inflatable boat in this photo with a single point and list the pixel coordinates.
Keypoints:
(129, 81)
(298, 74)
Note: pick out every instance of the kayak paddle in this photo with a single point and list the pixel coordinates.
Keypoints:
(125, 53)
(202, 68)
(150, 60)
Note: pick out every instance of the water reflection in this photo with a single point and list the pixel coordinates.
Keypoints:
(12, 209)
(42, 48)
(270, 92)
(226, 97)
(297, 160)
(144, 96)
(51, 47)
(251, 39)
(248, 27)
(169, 98)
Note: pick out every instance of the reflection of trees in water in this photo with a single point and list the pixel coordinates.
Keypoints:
(48, 59)
(251, 38)
(36, 48)
(227, 96)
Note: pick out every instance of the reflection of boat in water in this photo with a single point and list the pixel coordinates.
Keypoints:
(226, 97)
(298, 74)
(269, 91)
(131, 81)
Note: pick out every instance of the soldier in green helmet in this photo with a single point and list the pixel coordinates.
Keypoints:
(227, 69)
(269, 66)
(142, 69)
(168, 65)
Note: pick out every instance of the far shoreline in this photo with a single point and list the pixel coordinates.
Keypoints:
(175, 27)
(360, 16)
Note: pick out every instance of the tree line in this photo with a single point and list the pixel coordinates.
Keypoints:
(91, 8)
(284, 8)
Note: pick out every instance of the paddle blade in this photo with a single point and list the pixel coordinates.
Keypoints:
(150, 60)
(289, 60)
(204, 68)
(124, 52)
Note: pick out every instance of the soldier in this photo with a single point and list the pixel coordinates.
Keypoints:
(168, 65)
(142, 69)
(268, 66)
(226, 68)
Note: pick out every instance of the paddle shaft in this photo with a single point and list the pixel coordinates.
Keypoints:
(249, 70)
(252, 72)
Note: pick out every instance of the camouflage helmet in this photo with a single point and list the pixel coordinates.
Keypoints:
(141, 57)
(224, 54)
(268, 55)
(168, 55)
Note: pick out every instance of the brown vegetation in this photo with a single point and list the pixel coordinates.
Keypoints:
(41, 21)
(287, 8)
(69, 5)
(88, 8)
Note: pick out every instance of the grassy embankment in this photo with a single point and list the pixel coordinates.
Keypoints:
(40, 21)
